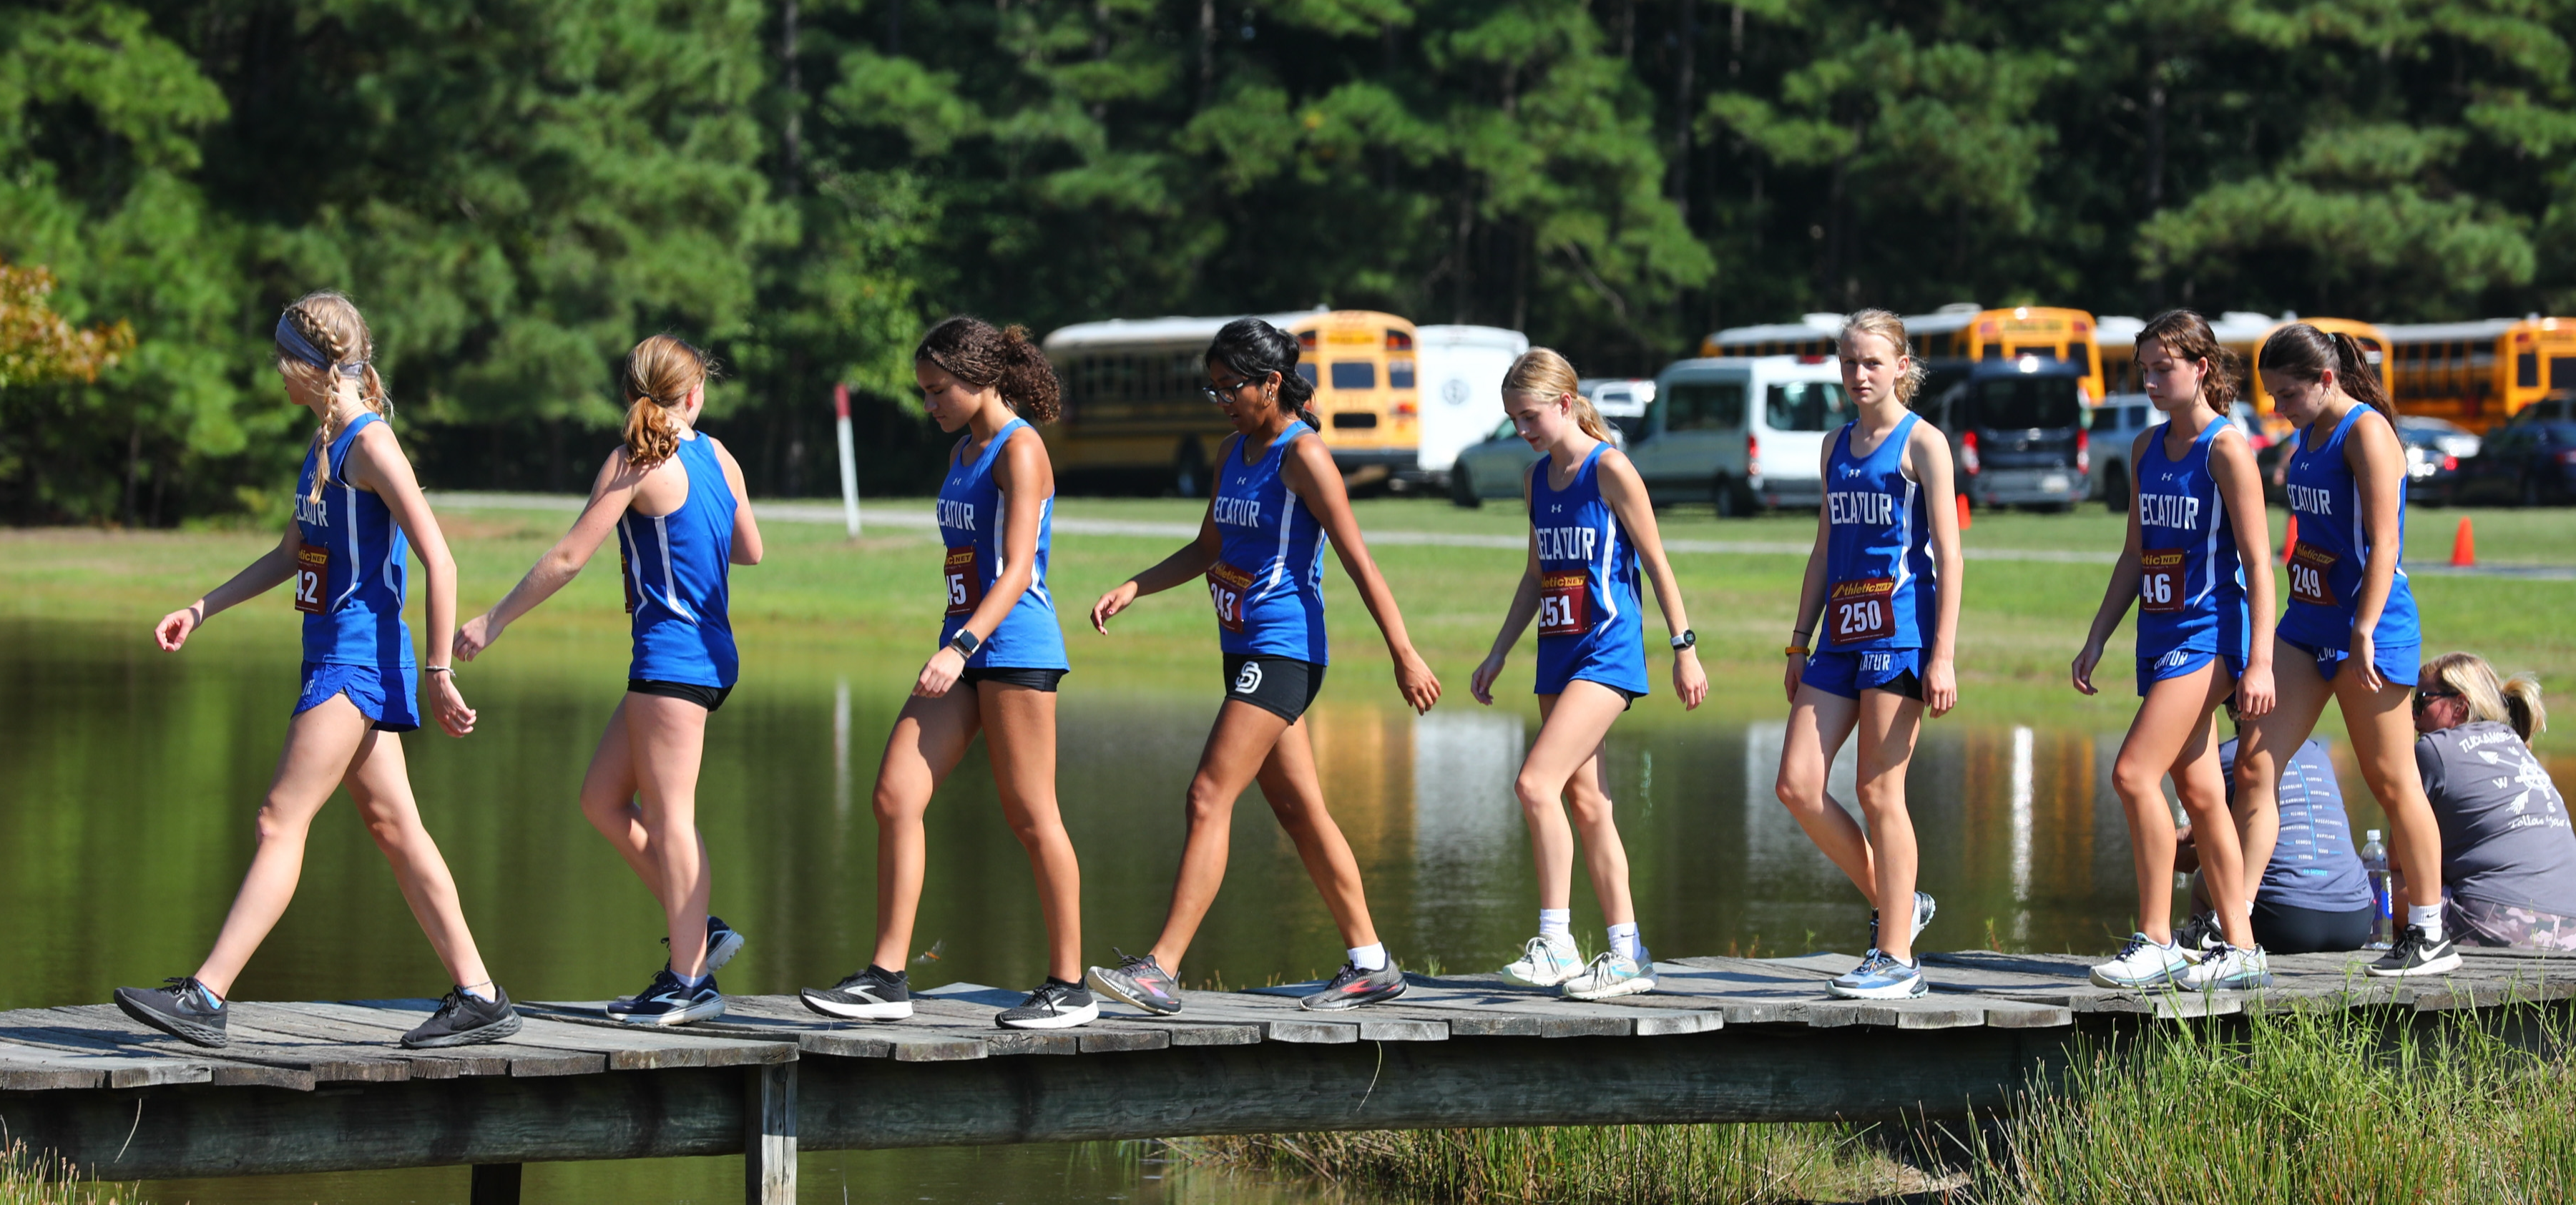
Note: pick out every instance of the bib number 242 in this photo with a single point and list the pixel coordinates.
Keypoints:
(1862, 610)
(312, 576)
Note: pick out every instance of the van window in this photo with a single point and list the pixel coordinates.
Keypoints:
(1704, 406)
(1354, 374)
(1806, 406)
(2021, 403)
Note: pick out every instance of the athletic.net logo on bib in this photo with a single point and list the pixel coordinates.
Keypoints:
(1226, 586)
(2160, 587)
(1560, 604)
(1860, 609)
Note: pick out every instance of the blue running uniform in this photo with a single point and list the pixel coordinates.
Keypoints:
(675, 567)
(2191, 587)
(349, 581)
(1879, 574)
(1268, 582)
(2326, 568)
(973, 526)
(1588, 625)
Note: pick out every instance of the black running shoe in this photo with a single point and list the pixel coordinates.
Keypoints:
(867, 995)
(1141, 982)
(464, 1019)
(185, 1009)
(722, 943)
(669, 1002)
(2412, 954)
(2200, 936)
(1053, 1006)
(1354, 987)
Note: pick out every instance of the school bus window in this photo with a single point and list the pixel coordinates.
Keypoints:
(1354, 374)
(1354, 418)
(2526, 370)
(1399, 374)
(1398, 341)
(2562, 372)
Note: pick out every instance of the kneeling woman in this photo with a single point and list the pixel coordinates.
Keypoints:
(2508, 855)
(1278, 498)
(674, 498)
(1000, 642)
(1591, 529)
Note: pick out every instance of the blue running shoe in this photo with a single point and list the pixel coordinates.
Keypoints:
(669, 1002)
(1879, 977)
(722, 943)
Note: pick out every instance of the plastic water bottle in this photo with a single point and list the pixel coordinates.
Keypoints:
(2374, 862)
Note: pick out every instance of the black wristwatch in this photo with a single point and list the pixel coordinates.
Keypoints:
(1688, 639)
(965, 642)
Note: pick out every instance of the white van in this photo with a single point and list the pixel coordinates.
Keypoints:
(1743, 432)
(1462, 371)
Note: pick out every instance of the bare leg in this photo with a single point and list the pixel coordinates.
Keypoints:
(929, 738)
(667, 738)
(1819, 723)
(1296, 795)
(2263, 750)
(2171, 735)
(1242, 739)
(2383, 742)
(382, 790)
(608, 802)
(1888, 725)
(320, 743)
(1019, 735)
(1564, 765)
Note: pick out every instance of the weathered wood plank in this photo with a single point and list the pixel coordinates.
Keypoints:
(640, 1048)
(37, 1068)
(769, 1135)
(902, 1041)
(40, 1028)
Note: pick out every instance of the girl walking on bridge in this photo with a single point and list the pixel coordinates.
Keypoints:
(1591, 528)
(1278, 501)
(2194, 525)
(1884, 579)
(1001, 656)
(358, 514)
(674, 499)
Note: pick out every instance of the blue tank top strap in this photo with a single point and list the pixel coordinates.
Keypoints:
(1878, 560)
(974, 520)
(2330, 561)
(1267, 584)
(677, 568)
(352, 561)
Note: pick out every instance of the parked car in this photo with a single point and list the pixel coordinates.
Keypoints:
(2530, 460)
(2435, 449)
(2114, 426)
(1494, 467)
(2017, 432)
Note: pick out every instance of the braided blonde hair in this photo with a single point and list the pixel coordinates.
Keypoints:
(332, 324)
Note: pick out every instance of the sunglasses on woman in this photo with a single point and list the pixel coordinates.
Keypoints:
(2423, 693)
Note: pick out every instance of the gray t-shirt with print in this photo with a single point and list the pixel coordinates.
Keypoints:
(2505, 835)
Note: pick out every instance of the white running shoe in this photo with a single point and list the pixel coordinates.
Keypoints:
(1611, 974)
(1547, 961)
(2227, 968)
(2143, 963)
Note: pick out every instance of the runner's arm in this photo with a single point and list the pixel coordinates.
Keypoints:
(1026, 480)
(2240, 488)
(1811, 586)
(2125, 574)
(610, 494)
(376, 463)
(746, 529)
(1516, 618)
(257, 578)
(1929, 449)
(1308, 469)
(1190, 560)
(1625, 491)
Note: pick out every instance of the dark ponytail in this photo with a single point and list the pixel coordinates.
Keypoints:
(2186, 336)
(1254, 349)
(2306, 353)
(970, 350)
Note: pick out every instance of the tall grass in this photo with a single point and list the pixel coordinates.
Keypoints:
(29, 1178)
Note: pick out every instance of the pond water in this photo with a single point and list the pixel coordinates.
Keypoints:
(128, 777)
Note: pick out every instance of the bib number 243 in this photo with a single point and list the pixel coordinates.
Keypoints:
(1862, 609)
(1226, 587)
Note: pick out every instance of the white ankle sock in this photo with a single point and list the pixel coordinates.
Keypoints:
(1556, 922)
(1623, 938)
(2427, 917)
(1370, 957)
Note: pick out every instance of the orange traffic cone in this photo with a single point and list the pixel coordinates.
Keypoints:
(2464, 546)
(1964, 517)
(2290, 540)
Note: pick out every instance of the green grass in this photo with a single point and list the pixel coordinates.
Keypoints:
(27, 1178)
(2023, 619)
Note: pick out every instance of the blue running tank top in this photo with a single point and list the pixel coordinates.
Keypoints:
(2326, 568)
(2191, 588)
(1588, 622)
(1879, 575)
(675, 568)
(973, 528)
(1268, 582)
(351, 569)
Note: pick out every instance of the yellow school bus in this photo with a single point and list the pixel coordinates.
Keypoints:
(2242, 332)
(1133, 406)
(2477, 374)
(1961, 331)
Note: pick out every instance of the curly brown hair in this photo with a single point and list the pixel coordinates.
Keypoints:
(971, 350)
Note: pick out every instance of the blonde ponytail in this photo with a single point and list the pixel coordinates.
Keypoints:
(661, 373)
(1543, 372)
(2523, 708)
(2516, 703)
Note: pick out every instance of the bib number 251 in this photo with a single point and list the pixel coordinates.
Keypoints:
(1862, 609)
(312, 576)
(1560, 604)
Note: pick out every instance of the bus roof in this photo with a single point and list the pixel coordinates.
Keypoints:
(1808, 326)
(1454, 335)
(2449, 332)
(1173, 332)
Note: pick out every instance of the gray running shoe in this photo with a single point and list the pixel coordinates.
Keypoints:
(1141, 982)
(1353, 987)
(184, 1009)
(868, 994)
(2411, 954)
(464, 1019)
(1053, 1006)
(1924, 908)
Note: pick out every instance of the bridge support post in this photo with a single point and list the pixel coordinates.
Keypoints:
(768, 1135)
(495, 1184)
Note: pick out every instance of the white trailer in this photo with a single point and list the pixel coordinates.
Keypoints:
(1462, 387)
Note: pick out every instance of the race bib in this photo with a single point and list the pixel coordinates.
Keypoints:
(312, 577)
(1861, 610)
(626, 576)
(2310, 567)
(1560, 604)
(2160, 585)
(1226, 587)
(965, 586)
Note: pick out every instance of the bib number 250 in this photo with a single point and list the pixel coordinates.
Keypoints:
(312, 577)
(1862, 610)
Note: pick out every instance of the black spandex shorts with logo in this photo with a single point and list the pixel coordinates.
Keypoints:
(1282, 686)
(709, 697)
(1034, 679)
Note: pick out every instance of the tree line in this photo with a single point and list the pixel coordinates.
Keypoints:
(516, 191)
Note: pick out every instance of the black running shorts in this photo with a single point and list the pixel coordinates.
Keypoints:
(1034, 679)
(1283, 686)
(709, 697)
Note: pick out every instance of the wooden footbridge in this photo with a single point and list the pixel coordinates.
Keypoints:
(308, 1087)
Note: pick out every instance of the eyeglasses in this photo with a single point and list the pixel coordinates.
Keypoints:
(2422, 694)
(1225, 396)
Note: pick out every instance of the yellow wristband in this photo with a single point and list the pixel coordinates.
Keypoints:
(1795, 650)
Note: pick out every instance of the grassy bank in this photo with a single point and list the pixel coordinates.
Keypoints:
(2283, 1107)
(28, 1178)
